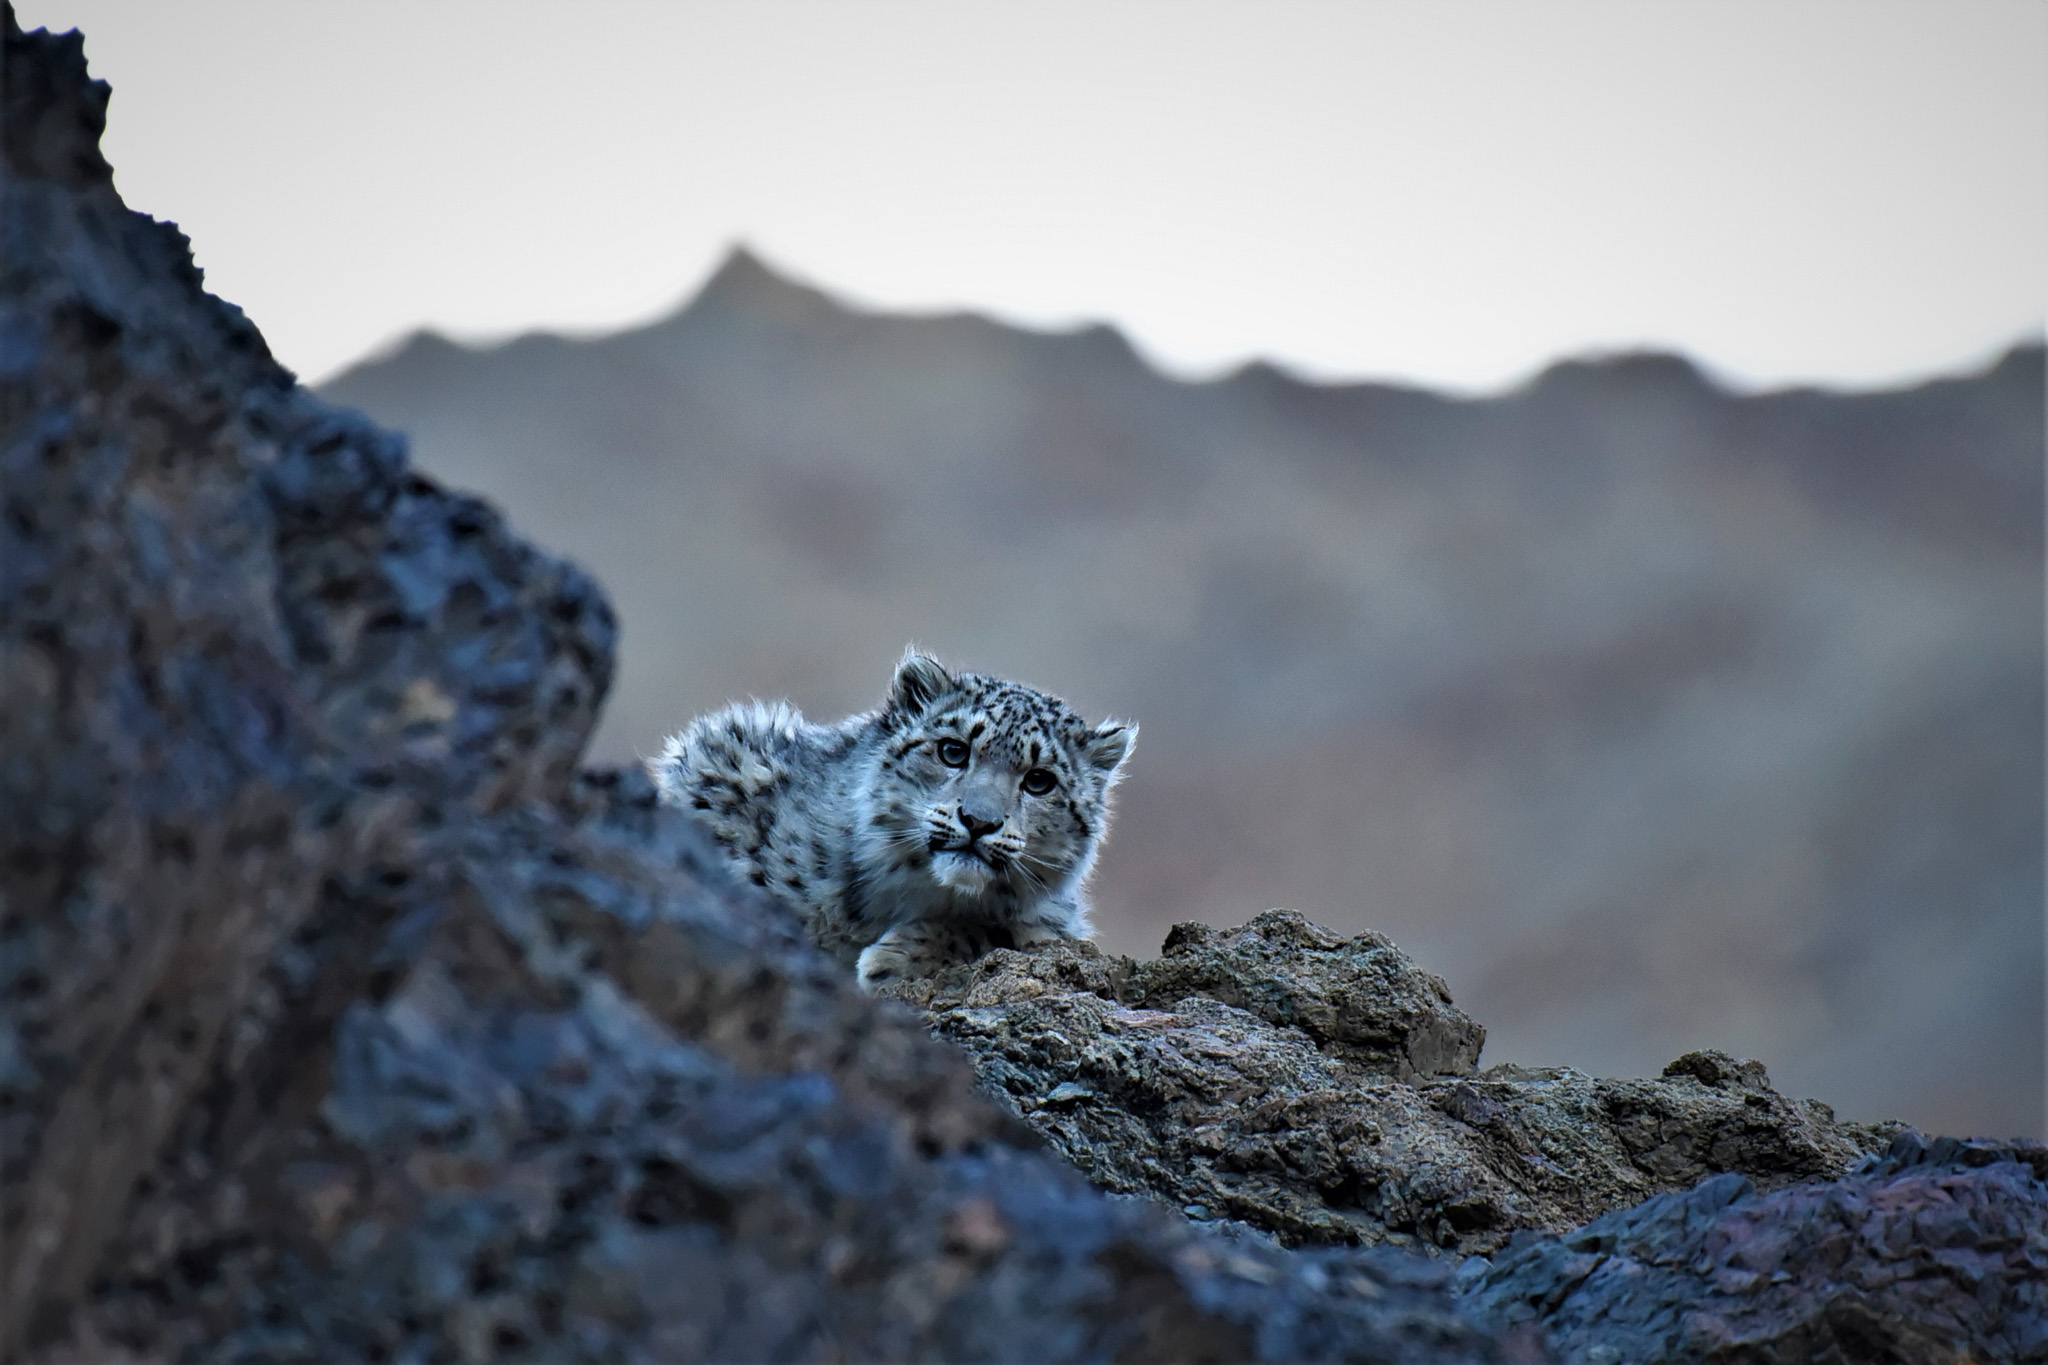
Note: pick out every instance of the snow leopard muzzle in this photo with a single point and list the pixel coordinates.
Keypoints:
(965, 828)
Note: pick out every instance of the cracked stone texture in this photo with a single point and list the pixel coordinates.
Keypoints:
(344, 1020)
(1324, 1090)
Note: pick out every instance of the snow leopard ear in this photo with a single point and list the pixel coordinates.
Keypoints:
(919, 679)
(1109, 744)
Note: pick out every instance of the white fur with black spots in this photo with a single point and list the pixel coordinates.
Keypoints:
(962, 815)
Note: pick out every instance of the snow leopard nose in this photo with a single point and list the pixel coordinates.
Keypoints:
(979, 820)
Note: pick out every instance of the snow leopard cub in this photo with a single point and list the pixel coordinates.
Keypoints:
(961, 816)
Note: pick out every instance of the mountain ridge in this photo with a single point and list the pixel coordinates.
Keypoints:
(746, 281)
(1651, 709)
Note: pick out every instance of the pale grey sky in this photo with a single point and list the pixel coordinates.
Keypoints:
(1451, 191)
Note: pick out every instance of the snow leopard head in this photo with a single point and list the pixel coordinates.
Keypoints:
(991, 786)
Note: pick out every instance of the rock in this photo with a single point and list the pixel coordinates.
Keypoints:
(1322, 1090)
(1357, 998)
(609, 1109)
(1910, 1150)
(344, 1020)
(164, 828)
(1926, 1256)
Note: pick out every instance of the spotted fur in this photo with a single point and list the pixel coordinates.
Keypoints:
(900, 860)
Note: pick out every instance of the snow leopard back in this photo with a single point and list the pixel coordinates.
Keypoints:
(965, 814)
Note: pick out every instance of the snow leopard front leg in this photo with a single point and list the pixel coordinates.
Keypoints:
(918, 948)
(921, 947)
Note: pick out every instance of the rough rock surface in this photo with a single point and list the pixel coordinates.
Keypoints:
(1934, 1253)
(342, 1020)
(1323, 1090)
(1359, 999)
(596, 1112)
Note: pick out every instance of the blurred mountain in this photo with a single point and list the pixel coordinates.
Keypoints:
(1653, 716)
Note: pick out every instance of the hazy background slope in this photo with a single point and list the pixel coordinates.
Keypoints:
(1652, 716)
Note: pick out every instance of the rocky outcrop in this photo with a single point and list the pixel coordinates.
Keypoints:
(240, 640)
(342, 1020)
(1281, 1080)
(582, 1099)
(1325, 1090)
(1271, 1081)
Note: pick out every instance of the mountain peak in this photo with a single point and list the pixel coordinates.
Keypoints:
(744, 283)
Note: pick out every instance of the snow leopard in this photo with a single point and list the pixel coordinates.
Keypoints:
(962, 815)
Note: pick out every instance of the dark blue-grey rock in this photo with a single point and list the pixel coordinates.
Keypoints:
(1934, 1253)
(231, 618)
(584, 1101)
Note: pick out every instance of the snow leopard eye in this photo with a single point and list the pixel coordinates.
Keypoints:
(952, 753)
(1038, 782)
